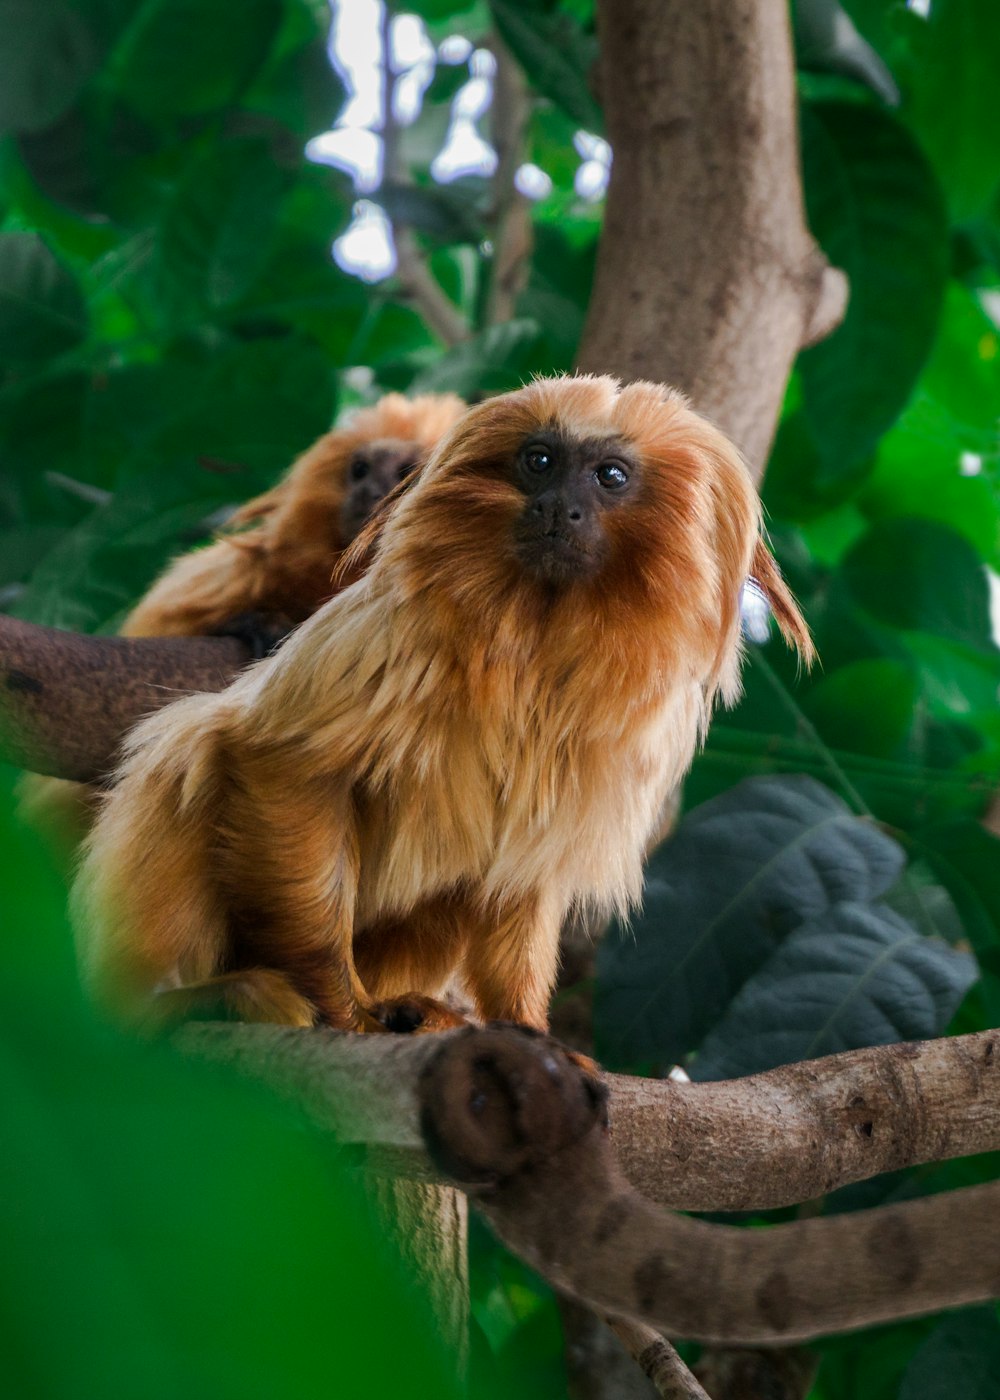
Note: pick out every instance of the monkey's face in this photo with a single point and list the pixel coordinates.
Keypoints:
(371, 472)
(571, 485)
(577, 487)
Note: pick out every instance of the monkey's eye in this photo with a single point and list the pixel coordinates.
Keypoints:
(537, 459)
(612, 476)
(359, 469)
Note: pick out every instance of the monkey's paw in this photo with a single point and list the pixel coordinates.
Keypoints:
(412, 1015)
(261, 633)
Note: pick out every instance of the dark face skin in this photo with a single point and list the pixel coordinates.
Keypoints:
(372, 472)
(570, 485)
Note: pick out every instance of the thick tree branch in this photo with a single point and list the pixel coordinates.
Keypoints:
(67, 701)
(509, 1115)
(771, 1140)
(707, 277)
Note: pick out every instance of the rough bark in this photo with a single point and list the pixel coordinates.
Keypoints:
(767, 1141)
(507, 1113)
(67, 701)
(707, 277)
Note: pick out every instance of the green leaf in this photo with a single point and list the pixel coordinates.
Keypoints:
(556, 55)
(47, 54)
(826, 39)
(41, 310)
(185, 58)
(497, 359)
(875, 206)
(780, 851)
(914, 575)
(864, 707)
(217, 231)
(855, 975)
(956, 58)
(210, 1243)
(961, 1357)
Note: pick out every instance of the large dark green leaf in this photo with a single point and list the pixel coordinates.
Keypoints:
(556, 54)
(217, 230)
(961, 1357)
(186, 58)
(47, 52)
(41, 310)
(874, 204)
(855, 975)
(740, 873)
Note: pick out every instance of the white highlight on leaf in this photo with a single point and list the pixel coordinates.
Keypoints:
(454, 50)
(970, 464)
(919, 7)
(353, 149)
(531, 181)
(591, 179)
(367, 248)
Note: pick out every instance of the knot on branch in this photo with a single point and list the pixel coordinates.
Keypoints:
(500, 1101)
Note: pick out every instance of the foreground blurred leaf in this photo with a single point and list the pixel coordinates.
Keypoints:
(170, 1229)
(855, 975)
(780, 851)
(875, 206)
(41, 310)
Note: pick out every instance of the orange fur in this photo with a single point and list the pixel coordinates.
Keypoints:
(450, 756)
(281, 565)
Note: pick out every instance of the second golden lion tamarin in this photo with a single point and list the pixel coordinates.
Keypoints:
(274, 564)
(459, 749)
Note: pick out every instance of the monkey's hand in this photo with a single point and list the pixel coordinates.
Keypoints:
(260, 632)
(410, 1015)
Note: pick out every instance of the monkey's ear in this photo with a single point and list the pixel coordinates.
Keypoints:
(357, 557)
(791, 624)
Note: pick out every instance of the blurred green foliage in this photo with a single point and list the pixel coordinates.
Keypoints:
(173, 331)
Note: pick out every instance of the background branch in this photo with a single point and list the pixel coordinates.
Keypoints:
(67, 701)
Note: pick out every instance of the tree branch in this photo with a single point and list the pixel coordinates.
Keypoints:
(759, 1143)
(508, 1114)
(658, 1359)
(511, 215)
(67, 701)
(707, 277)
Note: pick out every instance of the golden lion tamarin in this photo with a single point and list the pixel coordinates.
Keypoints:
(281, 568)
(275, 562)
(460, 748)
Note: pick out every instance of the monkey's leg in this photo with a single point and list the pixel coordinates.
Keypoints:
(254, 994)
(287, 864)
(512, 960)
(405, 963)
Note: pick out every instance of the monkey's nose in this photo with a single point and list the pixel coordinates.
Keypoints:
(554, 513)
